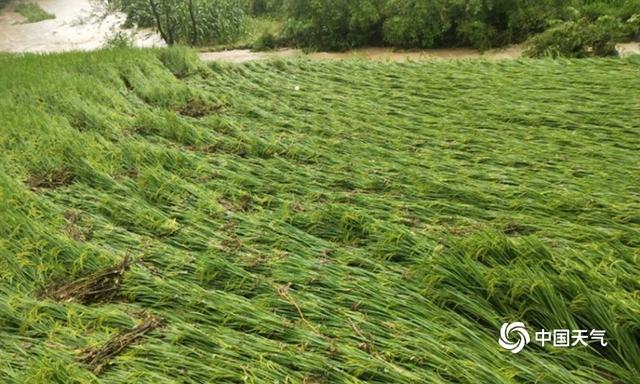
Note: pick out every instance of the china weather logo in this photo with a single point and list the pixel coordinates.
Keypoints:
(514, 337)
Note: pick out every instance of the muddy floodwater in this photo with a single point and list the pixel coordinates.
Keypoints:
(78, 25)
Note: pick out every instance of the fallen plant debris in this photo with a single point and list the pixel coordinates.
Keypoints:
(97, 359)
(99, 287)
(75, 229)
(50, 180)
(198, 108)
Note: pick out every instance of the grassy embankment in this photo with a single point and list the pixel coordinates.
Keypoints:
(378, 224)
(33, 13)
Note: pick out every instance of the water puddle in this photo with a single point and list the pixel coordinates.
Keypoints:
(78, 25)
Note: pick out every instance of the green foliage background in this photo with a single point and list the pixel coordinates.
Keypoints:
(342, 24)
(345, 24)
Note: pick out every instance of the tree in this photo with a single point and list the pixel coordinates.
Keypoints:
(194, 24)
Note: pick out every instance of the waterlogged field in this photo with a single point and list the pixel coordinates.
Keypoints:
(316, 222)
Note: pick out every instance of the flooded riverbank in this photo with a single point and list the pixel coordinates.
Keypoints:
(78, 25)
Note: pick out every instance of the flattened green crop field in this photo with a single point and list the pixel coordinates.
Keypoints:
(162, 221)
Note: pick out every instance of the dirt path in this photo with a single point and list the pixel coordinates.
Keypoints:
(385, 54)
(79, 25)
(244, 55)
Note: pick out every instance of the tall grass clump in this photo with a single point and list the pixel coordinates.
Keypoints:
(319, 222)
(32, 12)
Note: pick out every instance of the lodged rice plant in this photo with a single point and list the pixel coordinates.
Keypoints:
(162, 221)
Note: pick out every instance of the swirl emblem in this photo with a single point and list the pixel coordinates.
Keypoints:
(517, 328)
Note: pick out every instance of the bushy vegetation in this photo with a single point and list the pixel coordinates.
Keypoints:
(345, 24)
(483, 24)
(417, 23)
(579, 39)
(326, 222)
(119, 40)
(265, 42)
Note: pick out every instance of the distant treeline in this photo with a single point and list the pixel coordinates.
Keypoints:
(344, 24)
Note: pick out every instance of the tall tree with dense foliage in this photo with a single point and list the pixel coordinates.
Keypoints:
(338, 24)
(418, 23)
(415, 23)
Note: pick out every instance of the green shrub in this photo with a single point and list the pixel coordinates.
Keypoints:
(335, 25)
(415, 23)
(267, 41)
(580, 38)
(119, 40)
(181, 61)
(486, 24)
(603, 35)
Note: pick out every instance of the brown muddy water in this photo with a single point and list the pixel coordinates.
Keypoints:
(78, 25)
